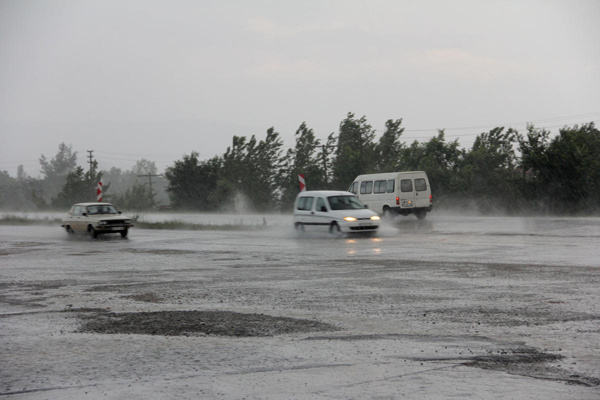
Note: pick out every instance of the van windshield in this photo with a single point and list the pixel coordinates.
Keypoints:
(344, 203)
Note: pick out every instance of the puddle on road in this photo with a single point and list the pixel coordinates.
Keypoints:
(518, 359)
(198, 323)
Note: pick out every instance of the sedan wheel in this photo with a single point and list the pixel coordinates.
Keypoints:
(93, 233)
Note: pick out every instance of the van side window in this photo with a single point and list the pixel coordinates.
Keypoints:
(321, 205)
(379, 187)
(366, 187)
(406, 185)
(354, 188)
(420, 185)
(305, 203)
(391, 186)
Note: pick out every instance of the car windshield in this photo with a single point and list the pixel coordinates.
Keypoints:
(102, 209)
(344, 203)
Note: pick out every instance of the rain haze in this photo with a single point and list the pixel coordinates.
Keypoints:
(163, 79)
(222, 285)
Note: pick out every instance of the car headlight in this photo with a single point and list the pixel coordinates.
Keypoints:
(349, 219)
(128, 221)
(375, 218)
(102, 222)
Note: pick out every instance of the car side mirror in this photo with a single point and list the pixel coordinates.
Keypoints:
(84, 214)
(323, 209)
(366, 206)
(119, 212)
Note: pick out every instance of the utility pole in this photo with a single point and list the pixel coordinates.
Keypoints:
(149, 179)
(91, 161)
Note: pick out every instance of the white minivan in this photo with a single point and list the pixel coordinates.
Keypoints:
(395, 193)
(332, 210)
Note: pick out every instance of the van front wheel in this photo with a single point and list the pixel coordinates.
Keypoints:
(334, 229)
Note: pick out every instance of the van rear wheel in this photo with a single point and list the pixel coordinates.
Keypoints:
(388, 214)
(420, 214)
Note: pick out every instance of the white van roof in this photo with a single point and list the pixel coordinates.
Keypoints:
(388, 175)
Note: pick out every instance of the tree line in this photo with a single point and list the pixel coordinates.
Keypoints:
(504, 170)
(64, 183)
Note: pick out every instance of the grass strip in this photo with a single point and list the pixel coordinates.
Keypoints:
(179, 225)
(167, 225)
(18, 220)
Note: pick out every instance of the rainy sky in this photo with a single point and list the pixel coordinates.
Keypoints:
(159, 79)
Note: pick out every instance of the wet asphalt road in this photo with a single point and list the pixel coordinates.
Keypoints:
(451, 307)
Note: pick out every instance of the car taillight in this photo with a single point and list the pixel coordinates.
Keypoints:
(430, 199)
(397, 201)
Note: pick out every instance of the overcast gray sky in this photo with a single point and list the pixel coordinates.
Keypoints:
(159, 79)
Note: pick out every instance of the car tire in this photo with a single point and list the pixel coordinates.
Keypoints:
(334, 229)
(93, 233)
(69, 230)
(420, 215)
(299, 227)
(124, 233)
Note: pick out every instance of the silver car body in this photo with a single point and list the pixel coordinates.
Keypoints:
(96, 219)
(336, 211)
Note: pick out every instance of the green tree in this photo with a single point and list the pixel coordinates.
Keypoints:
(490, 172)
(56, 170)
(389, 148)
(144, 167)
(570, 171)
(265, 164)
(441, 161)
(355, 151)
(79, 187)
(305, 158)
(14, 193)
(248, 178)
(533, 148)
(231, 174)
(192, 183)
(139, 197)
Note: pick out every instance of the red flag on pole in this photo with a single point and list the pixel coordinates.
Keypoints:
(302, 182)
(99, 191)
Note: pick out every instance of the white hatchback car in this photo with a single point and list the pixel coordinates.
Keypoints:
(335, 211)
(95, 219)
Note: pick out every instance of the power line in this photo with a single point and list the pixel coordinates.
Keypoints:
(149, 179)
(508, 123)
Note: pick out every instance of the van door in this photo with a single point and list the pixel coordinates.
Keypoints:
(321, 217)
(304, 210)
(407, 193)
(77, 220)
(421, 192)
